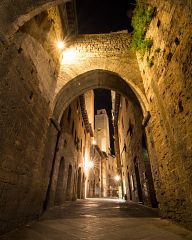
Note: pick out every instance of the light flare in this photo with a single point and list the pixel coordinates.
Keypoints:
(60, 45)
(89, 165)
(117, 178)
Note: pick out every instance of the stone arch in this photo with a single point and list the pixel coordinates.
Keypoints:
(92, 80)
(110, 51)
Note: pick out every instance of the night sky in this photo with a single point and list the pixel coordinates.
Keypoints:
(104, 16)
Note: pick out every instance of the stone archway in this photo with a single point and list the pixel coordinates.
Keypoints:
(106, 52)
(92, 80)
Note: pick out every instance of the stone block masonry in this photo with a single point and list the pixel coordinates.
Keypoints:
(24, 107)
(168, 87)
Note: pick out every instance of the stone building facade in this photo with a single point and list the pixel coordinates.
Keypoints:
(73, 150)
(134, 162)
(102, 130)
(101, 178)
(95, 179)
(112, 184)
(108, 165)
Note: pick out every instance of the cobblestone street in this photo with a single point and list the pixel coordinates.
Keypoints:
(100, 219)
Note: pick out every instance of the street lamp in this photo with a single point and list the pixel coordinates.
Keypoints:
(94, 142)
(117, 178)
(89, 165)
(60, 45)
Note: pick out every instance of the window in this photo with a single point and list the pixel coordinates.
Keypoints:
(65, 143)
(69, 114)
(72, 128)
(77, 143)
(130, 129)
(125, 147)
(75, 137)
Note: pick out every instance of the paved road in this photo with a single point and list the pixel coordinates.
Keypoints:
(100, 219)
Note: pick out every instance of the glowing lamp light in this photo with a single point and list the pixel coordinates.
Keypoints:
(89, 165)
(93, 142)
(117, 178)
(68, 56)
(60, 45)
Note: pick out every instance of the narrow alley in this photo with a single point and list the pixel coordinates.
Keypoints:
(100, 219)
(95, 119)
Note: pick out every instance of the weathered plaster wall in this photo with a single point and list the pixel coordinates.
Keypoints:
(168, 87)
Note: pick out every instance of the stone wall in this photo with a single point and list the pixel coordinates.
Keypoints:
(14, 14)
(94, 177)
(71, 148)
(28, 78)
(24, 106)
(168, 87)
(113, 184)
(47, 29)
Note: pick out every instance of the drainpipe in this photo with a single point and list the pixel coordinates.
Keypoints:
(47, 199)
